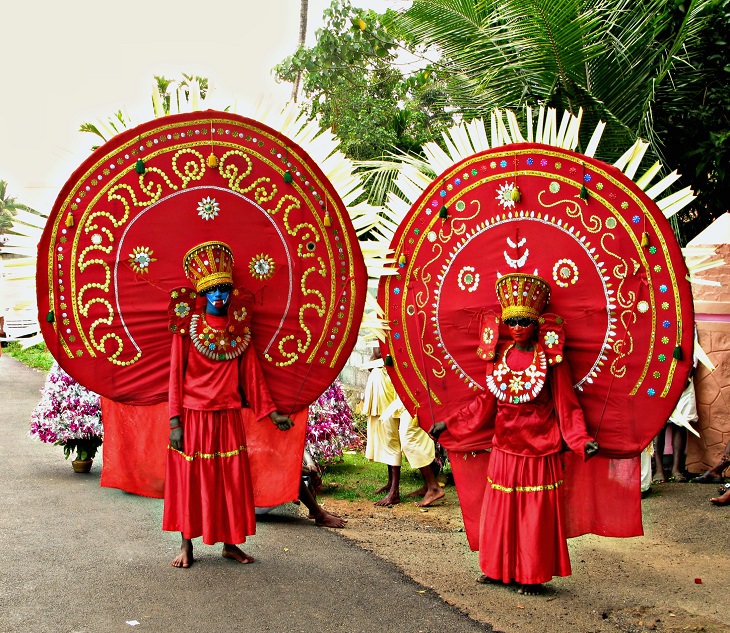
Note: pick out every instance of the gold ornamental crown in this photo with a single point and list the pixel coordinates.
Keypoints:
(209, 264)
(522, 295)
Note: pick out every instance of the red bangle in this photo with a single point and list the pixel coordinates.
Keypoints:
(177, 426)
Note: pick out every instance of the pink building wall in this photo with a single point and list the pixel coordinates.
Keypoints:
(712, 388)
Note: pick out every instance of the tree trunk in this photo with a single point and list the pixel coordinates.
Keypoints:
(303, 14)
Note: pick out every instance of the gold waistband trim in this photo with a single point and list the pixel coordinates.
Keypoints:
(199, 455)
(524, 488)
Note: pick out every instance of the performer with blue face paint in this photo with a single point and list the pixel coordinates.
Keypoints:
(218, 298)
(214, 373)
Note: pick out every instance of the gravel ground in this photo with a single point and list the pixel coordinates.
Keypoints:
(672, 579)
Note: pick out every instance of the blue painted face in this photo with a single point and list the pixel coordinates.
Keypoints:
(218, 298)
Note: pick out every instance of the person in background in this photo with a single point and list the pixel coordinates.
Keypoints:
(392, 433)
(310, 483)
(681, 418)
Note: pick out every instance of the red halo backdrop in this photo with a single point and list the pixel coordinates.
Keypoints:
(616, 272)
(113, 246)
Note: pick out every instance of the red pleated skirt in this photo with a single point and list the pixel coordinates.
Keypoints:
(208, 487)
(522, 537)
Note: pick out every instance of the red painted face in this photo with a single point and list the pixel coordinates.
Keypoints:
(521, 330)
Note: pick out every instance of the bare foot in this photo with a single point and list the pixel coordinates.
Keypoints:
(483, 579)
(722, 500)
(389, 500)
(530, 590)
(185, 558)
(237, 554)
(327, 519)
(430, 497)
(418, 493)
(380, 491)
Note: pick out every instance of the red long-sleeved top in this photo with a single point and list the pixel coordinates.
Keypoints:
(201, 383)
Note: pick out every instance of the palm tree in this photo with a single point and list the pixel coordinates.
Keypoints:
(9, 208)
(303, 17)
(612, 58)
(169, 96)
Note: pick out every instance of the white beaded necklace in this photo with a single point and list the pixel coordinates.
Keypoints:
(217, 344)
(517, 387)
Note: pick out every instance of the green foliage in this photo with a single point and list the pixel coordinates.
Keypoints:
(116, 123)
(165, 89)
(165, 86)
(613, 58)
(652, 69)
(352, 82)
(9, 207)
(697, 139)
(83, 448)
(36, 356)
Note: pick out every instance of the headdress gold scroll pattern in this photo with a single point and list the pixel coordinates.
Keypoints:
(616, 272)
(121, 225)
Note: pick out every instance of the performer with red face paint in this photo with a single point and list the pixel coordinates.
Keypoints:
(214, 372)
(531, 404)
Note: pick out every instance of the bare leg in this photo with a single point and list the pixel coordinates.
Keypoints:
(387, 486)
(321, 517)
(185, 558)
(679, 440)
(393, 496)
(236, 553)
(658, 457)
(433, 490)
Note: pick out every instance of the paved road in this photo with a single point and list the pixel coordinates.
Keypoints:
(77, 558)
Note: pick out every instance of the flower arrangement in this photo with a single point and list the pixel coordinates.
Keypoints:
(68, 415)
(330, 426)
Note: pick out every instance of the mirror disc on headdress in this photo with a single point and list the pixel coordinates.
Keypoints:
(626, 302)
(114, 243)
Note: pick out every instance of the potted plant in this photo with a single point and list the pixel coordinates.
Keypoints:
(68, 415)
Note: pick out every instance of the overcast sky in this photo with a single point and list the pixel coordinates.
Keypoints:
(64, 63)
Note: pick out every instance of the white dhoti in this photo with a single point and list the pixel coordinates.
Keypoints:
(397, 433)
(685, 413)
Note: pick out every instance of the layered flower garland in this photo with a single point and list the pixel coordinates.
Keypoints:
(67, 415)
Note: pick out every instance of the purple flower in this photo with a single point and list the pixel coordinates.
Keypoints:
(67, 412)
(330, 426)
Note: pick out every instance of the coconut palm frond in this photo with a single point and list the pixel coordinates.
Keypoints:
(610, 57)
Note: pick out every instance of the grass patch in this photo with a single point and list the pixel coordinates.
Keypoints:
(356, 479)
(36, 356)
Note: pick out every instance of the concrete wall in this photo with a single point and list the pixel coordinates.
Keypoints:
(354, 375)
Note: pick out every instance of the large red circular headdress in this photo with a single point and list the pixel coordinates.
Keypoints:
(616, 273)
(115, 240)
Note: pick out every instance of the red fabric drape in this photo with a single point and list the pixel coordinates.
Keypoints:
(135, 449)
(470, 477)
(602, 496)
